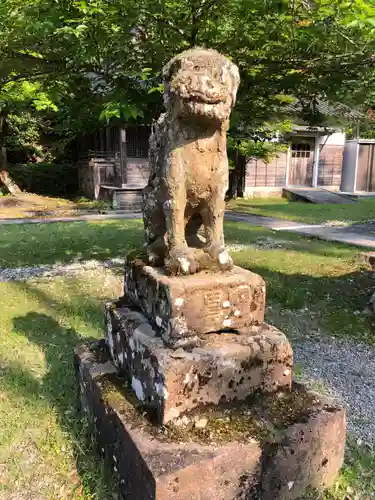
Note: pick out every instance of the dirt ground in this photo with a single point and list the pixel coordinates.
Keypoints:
(26, 205)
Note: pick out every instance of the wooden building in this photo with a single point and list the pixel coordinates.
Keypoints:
(114, 160)
(313, 159)
(113, 165)
(315, 154)
(358, 171)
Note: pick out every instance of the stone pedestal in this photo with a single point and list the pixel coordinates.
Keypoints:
(186, 306)
(223, 367)
(270, 447)
(191, 394)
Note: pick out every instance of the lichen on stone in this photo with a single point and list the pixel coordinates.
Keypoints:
(262, 417)
(189, 164)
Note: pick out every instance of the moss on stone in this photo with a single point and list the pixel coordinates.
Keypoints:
(262, 417)
(136, 254)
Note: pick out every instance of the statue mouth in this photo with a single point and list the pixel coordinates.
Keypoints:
(204, 98)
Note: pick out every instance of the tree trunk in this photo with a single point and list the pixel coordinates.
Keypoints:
(5, 178)
(241, 172)
(9, 183)
(237, 178)
(233, 183)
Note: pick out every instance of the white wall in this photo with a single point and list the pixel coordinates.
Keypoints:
(336, 139)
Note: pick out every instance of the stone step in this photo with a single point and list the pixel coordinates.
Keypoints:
(275, 449)
(183, 306)
(226, 366)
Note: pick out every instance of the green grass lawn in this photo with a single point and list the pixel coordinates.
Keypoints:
(45, 450)
(33, 244)
(300, 272)
(310, 213)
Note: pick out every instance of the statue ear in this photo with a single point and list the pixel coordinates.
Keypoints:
(171, 68)
(235, 74)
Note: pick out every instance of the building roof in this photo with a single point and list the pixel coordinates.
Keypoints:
(337, 110)
(317, 129)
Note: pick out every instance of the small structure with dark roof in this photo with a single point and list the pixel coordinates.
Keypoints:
(315, 155)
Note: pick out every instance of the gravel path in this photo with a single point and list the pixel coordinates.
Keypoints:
(48, 270)
(347, 371)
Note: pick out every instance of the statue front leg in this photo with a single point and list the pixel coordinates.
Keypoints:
(213, 218)
(180, 258)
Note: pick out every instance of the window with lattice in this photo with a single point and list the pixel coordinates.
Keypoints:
(301, 150)
(137, 142)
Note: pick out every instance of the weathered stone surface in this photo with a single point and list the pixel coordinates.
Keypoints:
(188, 305)
(189, 163)
(309, 454)
(368, 258)
(372, 302)
(303, 449)
(225, 366)
(148, 465)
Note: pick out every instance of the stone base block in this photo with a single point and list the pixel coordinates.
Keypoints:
(205, 302)
(269, 448)
(226, 366)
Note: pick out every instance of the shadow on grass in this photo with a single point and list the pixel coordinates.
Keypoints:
(79, 305)
(69, 242)
(59, 389)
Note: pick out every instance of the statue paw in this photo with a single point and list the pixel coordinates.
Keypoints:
(181, 261)
(155, 252)
(222, 257)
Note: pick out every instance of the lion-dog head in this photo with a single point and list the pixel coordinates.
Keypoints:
(200, 83)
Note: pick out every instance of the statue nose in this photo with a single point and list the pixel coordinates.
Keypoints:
(201, 82)
(207, 84)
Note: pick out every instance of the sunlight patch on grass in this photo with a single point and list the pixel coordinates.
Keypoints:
(35, 244)
(310, 213)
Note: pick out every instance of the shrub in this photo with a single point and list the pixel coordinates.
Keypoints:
(49, 179)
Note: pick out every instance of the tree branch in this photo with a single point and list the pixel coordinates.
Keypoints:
(31, 57)
(166, 22)
(27, 76)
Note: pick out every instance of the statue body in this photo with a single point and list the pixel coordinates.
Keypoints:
(189, 163)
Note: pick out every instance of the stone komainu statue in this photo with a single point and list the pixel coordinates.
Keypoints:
(189, 163)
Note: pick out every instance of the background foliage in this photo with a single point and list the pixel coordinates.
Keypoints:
(68, 67)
